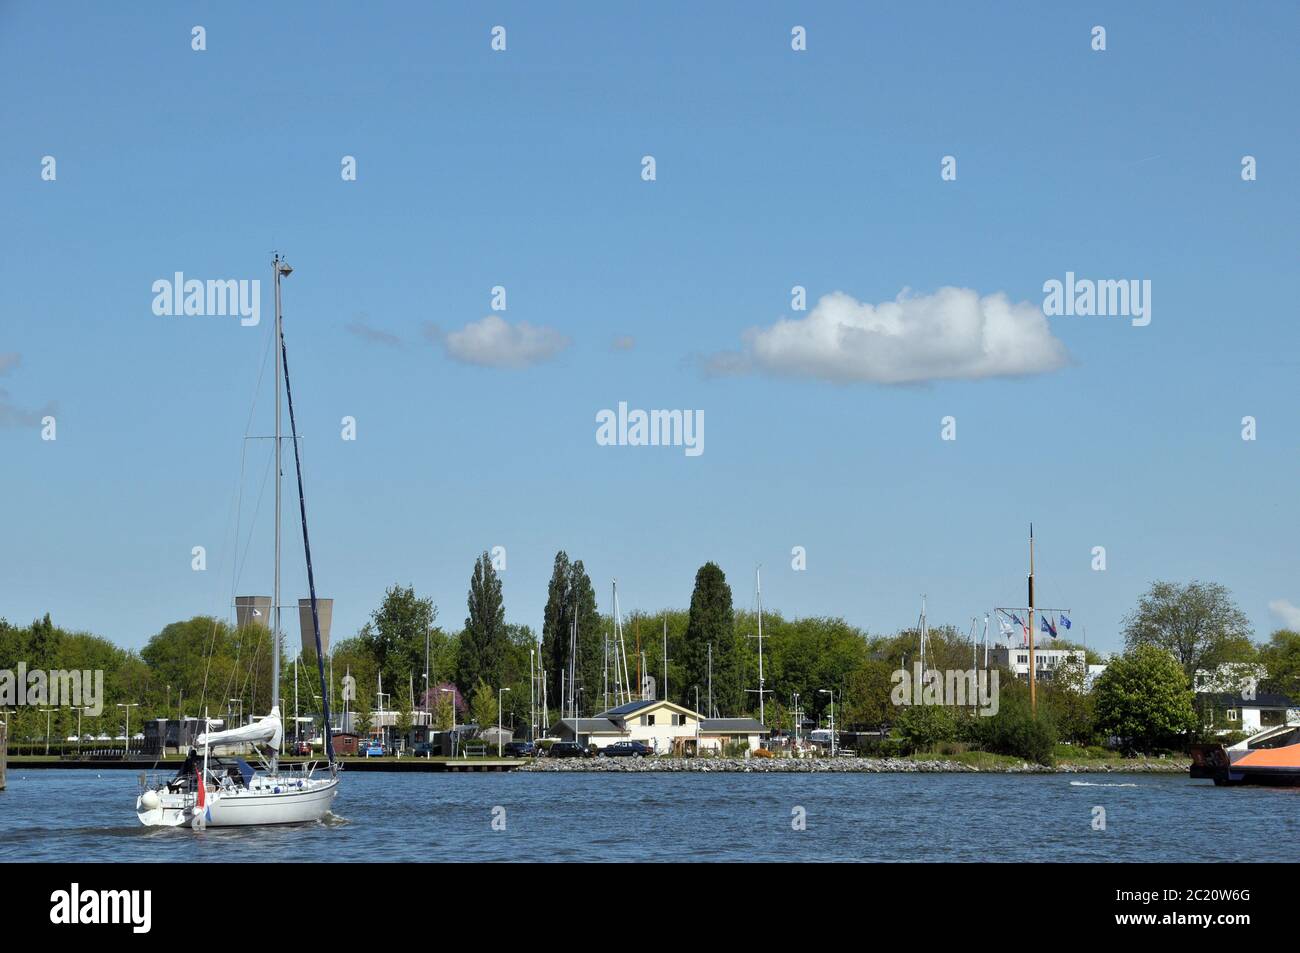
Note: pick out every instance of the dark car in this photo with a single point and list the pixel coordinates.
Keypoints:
(627, 749)
(519, 749)
(568, 749)
(422, 750)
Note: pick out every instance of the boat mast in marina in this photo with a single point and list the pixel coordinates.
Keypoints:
(758, 595)
(280, 268)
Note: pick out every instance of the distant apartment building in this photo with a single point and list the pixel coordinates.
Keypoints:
(1047, 661)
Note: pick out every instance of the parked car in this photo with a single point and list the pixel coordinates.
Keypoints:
(372, 749)
(302, 749)
(519, 749)
(423, 750)
(568, 749)
(627, 749)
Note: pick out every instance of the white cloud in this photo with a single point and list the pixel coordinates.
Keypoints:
(1284, 610)
(495, 342)
(951, 334)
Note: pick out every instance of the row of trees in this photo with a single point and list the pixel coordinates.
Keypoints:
(206, 664)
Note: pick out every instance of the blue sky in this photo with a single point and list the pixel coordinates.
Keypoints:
(522, 169)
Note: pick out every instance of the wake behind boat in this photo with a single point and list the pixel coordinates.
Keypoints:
(210, 791)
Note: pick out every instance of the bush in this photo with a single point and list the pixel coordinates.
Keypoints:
(1014, 730)
(921, 727)
(881, 748)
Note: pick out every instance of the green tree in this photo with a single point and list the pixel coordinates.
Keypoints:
(395, 635)
(866, 696)
(1281, 660)
(484, 641)
(557, 620)
(712, 622)
(483, 705)
(571, 596)
(1197, 623)
(1070, 704)
(1144, 698)
(442, 713)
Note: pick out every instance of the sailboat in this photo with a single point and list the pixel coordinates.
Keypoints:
(215, 791)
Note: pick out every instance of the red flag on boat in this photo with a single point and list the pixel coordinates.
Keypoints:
(202, 786)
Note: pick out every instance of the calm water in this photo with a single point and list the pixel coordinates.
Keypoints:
(56, 815)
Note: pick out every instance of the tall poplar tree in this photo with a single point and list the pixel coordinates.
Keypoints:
(711, 621)
(485, 642)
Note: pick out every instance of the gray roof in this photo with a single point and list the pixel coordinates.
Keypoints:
(738, 725)
(587, 725)
(629, 708)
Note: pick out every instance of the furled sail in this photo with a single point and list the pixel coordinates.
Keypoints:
(267, 732)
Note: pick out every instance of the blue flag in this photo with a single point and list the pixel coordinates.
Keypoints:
(1065, 620)
(1046, 626)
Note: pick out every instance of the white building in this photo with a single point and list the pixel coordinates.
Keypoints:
(664, 726)
(1229, 711)
(1047, 661)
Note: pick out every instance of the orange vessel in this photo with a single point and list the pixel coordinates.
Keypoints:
(1269, 757)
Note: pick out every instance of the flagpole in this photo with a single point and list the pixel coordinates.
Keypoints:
(1033, 674)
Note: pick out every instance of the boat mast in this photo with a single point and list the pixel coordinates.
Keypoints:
(279, 268)
(758, 588)
(1033, 684)
(923, 634)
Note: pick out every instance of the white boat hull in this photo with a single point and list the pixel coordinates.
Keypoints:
(268, 801)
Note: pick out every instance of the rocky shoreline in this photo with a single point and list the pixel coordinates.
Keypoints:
(850, 766)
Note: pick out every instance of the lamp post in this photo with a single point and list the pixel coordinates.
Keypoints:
(500, 693)
(831, 692)
(80, 709)
(452, 693)
(795, 716)
(128, 706)
(47, 729)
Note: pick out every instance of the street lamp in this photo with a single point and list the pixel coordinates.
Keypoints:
(831, 692)
(47, 730)
(500, 692)
(79, 709)
(128, 706)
